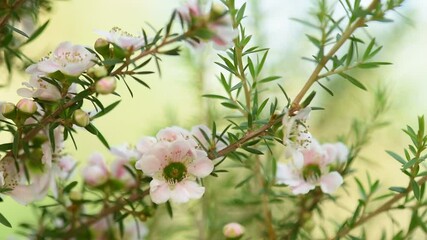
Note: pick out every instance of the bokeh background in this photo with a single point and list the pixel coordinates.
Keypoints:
(174, 99)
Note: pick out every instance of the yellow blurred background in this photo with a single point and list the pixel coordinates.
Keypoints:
(172, 97)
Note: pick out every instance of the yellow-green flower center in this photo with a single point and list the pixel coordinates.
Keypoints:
(175, 172)
(311, 172)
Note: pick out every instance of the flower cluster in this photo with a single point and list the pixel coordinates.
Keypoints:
(214, 25)
(68, 61)
(174, 160)
(44, 169)
(312, 164)
(96, 173)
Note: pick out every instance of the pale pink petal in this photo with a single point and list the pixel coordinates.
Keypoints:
(159, 191)
(201, 167)
(25, 92)
(298, 159)
(179, 193)
(145, 143)
(63, 48)
(330, 182)
(149, 164)
(302, 188)
(47, 154)
(37, 190)
(197, 132)
(194, 190)
(171, 134)
(286, 174)
(32, 69)
(48, 66)
(179, 150)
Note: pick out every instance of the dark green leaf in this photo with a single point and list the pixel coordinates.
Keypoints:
(70, 187)
(37, 32)
(4, 221)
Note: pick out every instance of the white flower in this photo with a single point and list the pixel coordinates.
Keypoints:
(96, 172)
(303, 175)
(124, 156)
(295, 133)
(38, 88)
(69, 59)
(22, 191)
(123, 39)
(174, 167)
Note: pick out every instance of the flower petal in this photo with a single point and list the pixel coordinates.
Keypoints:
(179, 193)
(194, 190)
(330, 182)
(201, 167)
(159, 191)
(302, 188)
(149, 164)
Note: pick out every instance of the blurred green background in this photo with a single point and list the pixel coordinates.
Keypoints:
(174, 99)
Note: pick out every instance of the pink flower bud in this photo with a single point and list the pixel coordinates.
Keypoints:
(81, 118)
(106, 85)
(233, 230)
(27, 106)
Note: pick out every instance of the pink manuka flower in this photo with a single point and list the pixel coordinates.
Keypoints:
(174, 167)
(313, 169)
(125, 155)
(96, 172)
(69, 59)
(215, 19)
(123, 39)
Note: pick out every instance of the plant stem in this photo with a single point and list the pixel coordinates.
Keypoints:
(263, 190)
(6, 18)
(119, 205)
(383, 208)
(324, 60)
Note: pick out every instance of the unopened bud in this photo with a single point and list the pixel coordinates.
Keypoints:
(81, 118)
(233, 230)
(75, 196)
(8, 110)
(102, 46)
(26, 106)
(97, 72)
(106, 85)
